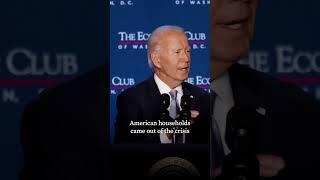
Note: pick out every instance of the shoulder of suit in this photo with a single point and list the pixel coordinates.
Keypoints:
(270, 85)
(84, 86)
(136, 90)
(195, 90)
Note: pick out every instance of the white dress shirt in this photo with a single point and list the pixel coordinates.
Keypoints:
(223, 103)
(165, 89)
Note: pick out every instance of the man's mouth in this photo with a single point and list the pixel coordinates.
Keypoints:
(235, 24)
(184, 68)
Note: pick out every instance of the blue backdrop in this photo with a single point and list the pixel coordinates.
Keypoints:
(286, 43)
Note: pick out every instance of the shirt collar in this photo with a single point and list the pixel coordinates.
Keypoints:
(222, 87)
(164, 88)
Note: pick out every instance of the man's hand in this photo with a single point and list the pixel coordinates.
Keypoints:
(270, 166)
(194, 115)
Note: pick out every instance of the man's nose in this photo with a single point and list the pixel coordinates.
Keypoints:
(186, 56)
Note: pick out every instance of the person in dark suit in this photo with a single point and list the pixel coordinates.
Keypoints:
(64, 130)
(287, 135)
(169, 57)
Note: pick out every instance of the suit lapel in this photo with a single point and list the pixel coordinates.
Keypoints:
(185, 89)
(152, 98)
(245, 92)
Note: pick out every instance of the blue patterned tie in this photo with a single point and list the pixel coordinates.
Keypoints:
(173, 111)
(173, 104)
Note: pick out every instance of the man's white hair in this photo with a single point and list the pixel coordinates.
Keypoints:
(155, 38)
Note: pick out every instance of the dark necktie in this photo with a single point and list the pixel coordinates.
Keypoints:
(217, 152)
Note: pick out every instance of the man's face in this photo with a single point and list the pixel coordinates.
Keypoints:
(173, 59)
(232, 26)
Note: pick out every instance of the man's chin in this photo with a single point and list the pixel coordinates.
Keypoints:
(181, 79)
(182, 76)
(229, 56)
(231, 51)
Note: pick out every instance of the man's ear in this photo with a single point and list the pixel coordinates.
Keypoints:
(155, 57)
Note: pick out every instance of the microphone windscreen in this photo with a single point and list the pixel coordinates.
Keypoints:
(165, 101)
(241, 127)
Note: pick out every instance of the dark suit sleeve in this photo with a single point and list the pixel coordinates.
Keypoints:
(201, 127)
(55, 146)
(303, 158)
(129, 109)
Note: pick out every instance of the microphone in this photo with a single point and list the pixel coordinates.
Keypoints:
(185, 105)
(241, 138)
(241, 131)
(165, 103)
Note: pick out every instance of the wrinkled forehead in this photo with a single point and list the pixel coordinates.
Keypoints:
(172, 34)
